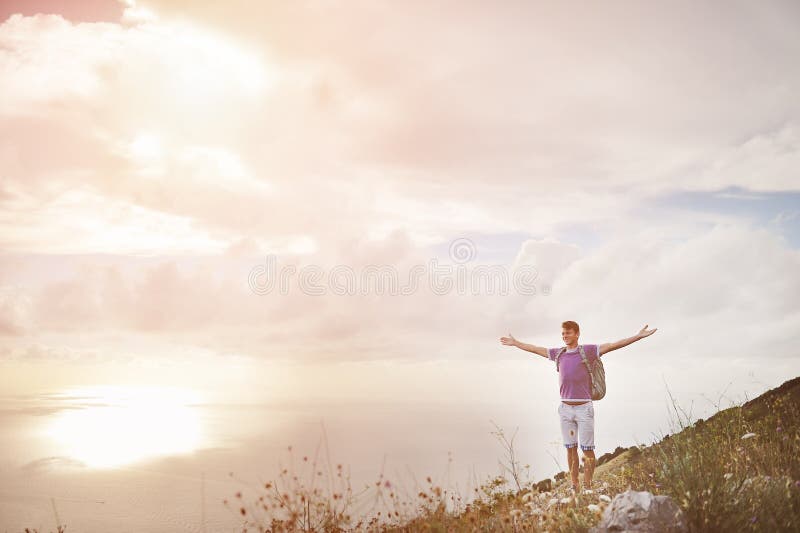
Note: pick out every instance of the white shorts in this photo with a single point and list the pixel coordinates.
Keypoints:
(577, 422)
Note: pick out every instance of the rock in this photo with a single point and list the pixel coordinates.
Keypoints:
(545, 485)
(641, 511)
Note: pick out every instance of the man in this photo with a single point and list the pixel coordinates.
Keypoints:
(576, 409)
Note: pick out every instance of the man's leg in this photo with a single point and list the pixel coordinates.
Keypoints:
(585, 418)
(569, 433)
(588, 467)
(572, 461)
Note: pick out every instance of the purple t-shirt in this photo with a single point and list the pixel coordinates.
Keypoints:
(573, 377)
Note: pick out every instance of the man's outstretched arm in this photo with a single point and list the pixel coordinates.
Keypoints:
(610, 346)
(511, 341)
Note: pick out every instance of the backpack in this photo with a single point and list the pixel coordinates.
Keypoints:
(597, 374)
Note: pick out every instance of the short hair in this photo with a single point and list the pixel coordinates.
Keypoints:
(569, 324)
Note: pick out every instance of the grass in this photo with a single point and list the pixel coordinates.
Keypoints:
(739, 471)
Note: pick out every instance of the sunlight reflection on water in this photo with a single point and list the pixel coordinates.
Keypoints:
(114, 426)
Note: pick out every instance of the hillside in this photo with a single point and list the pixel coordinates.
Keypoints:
(751, 412)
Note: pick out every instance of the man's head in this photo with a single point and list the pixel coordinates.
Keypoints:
(570, 331)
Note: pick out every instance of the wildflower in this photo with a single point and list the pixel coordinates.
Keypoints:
(527, 497)
(565, 500)
(797, 483)
(754, 520)
(593, 508)
(604, 498)
(552, 502)
(779, 429)
(748, 436)
(536, 512)
(728, 476)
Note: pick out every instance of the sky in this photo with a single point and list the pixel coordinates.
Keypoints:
(641, 160)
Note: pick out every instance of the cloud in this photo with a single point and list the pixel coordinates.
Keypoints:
(47, 464)
(721, 293)
(696, 290)
(765, 162)
(550, 258)
(620, 94)
(15, 311)
(247, 131)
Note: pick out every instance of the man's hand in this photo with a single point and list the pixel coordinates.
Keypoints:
(611, 346)
(509, 341)
(644, 332)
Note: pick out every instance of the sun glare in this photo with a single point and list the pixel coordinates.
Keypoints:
(107, 427)
(206, 65)
(146, 146)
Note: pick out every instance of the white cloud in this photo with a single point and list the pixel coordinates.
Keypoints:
(722, 292)
(765, 162)
(79, 220)
(383, 134)
(133, 14)
(725, 288)
(549, 257)
(45, 59)
(15, 311)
